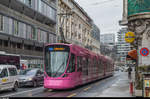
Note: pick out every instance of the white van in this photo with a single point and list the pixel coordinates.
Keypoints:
(8, 77)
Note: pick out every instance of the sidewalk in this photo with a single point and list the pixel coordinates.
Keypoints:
(119, 89)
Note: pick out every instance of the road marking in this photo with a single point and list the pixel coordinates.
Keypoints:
(72, 95)
(21, 92)
(87, 88)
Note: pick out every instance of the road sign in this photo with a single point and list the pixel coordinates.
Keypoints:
(129, 37)
(144, 51)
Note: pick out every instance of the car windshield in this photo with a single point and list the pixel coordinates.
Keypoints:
(28, 72)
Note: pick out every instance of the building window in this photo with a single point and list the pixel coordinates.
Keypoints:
(1, 23)
(29, 32)
(0, 42)
(39, 35)
(10, 26)
(22, 30)
(19, 45)
(33, 34)
(13, 45)
(16, 26)
(42, 36)
(5, 43)
(28, 2)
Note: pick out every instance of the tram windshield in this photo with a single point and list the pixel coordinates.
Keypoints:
(55, 61)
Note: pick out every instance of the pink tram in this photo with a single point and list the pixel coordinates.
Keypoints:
(69, 65)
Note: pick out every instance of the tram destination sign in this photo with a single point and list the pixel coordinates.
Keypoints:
(58, 48)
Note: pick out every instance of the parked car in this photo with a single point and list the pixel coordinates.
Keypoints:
(31, 77)
(8, 77)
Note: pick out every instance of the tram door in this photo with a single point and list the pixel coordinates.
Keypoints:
(79, 69)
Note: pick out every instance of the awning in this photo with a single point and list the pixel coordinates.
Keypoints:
(132, 55)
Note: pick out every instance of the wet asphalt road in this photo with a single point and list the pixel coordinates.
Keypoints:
(89, 90)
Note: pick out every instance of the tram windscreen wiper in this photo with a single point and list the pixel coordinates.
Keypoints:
(58, 69)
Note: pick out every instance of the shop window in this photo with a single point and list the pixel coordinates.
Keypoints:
(6, 43)
(18, 45)
(14, 45)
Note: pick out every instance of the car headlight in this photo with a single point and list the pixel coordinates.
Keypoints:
(29, 79)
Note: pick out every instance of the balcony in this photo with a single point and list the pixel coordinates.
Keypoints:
(29, 11)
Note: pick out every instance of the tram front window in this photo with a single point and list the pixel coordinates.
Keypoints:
(56, 62)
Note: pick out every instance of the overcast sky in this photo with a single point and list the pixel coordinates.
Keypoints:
(105, 13)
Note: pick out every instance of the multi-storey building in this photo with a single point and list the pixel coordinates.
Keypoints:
(75, 22)
(122, 47)
(108, 39)
(25, 26)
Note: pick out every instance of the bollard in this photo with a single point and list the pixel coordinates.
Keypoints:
(131, 88)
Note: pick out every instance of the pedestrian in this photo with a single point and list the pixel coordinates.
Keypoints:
(129, 72)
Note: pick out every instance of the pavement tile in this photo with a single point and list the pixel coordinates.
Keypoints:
(119, 89)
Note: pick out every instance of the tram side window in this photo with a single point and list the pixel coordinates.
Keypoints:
(101, 65)
(71, 67)
(84, 64)
(87, 63)
(79, 68)
(95, 65)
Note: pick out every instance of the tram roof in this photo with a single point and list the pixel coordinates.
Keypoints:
(82, 50)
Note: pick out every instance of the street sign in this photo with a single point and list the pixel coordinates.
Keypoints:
(144, 51)
(129, 37)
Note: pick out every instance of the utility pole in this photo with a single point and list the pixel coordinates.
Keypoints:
(62, 37)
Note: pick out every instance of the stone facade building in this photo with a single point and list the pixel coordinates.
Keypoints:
(76, 24)
(136, 15)
(25, 26)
